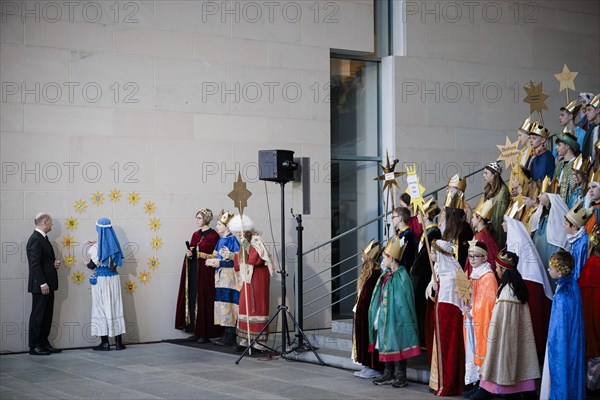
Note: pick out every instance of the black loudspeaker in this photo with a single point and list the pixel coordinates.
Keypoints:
(276, 165)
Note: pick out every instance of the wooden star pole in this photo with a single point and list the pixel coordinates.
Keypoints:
(566, 79)
(389, 177)
(536, 98)
(240, 195)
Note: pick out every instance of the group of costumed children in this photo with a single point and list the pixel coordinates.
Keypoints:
(530, 308)
(224, 289)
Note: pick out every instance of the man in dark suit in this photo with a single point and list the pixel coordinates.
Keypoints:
(43, 281)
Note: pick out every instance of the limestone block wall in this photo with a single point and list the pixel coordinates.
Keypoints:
(162, 102)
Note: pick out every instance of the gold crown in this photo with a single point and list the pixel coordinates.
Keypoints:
(372, 249)
(595, 102)
(224, 217)
(539, 130)
(595, 177)
(562, 268)
(516, 210)
(532, 190)
(473, 247)
(431, 208)
(455, 200)
(550, 186)
(526, 125)
(484, 208)
(582, 165)
(569, 138)
(579, 215)
(395, 248)
(504, 260)
(460, 184)
(572, 107)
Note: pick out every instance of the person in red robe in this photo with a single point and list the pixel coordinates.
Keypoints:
(448, 352)
(369, 275)
(196, 297)
(254, 265)
(480, 221)
(589, 285)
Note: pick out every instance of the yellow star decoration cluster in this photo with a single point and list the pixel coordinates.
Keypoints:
(114, 196)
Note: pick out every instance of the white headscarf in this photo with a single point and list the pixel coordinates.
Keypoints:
(530, 264)
(555, 234)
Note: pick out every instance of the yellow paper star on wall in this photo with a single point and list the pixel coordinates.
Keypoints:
(98, 198)
(144, 277)
(415, 189)
(115, 195)
(80, 206)
(154, 224)
(67, 241)
(69, 261)
(149, 207)
(71, 223)
(509, 153)
(536, 98)
(153, 263)
(566, 79)
(77, 277)
(156, 243)
(130, 286)
(134, 198)
(240, 194)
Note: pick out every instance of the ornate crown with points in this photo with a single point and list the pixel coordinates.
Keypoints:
(224, 217)
(579, 215)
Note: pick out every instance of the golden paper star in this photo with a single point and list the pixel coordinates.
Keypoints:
(149, 207)
(77, 277)
(98, 198)
(153, 263)
(463, 286)
(115, 195)
(67, 241)
(154, 224)
(71, 223)
(509, 153)
(69, 261)
(144, 277)
(240, 194)
(134, 198)
(389, 175)
(80, 206)
(535, 97)
(130, 286)
(566, 79)
(156, 243)
(414, 189)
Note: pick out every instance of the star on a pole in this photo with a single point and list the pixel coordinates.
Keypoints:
(566, 79)
(240, 194)
(389, 175)
(536, 98)
(415, 189)
(463, 286)
(509, 153)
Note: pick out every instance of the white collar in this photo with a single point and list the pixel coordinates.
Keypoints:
(44, 234)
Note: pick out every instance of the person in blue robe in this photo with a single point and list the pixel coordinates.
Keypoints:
(541, 161)
(566, 335)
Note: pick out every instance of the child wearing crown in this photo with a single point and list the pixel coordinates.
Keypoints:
(392, 317)
(564, 367)
(577, 237)
(511, 362)
(589, 285)
(448, 353)
(369, 275)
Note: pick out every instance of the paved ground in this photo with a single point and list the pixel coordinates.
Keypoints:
(169, 371)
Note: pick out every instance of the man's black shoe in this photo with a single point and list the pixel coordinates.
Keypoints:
(39, 351)
(52, 349)
(202, 340)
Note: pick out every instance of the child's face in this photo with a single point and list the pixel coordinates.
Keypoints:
(594, 192)
(544, 200)
(561, 149)
(536, 141)
(475, 219)
(591, 113)
(554, 273)
(476, 259)
(570, 229)
(564, 117)
(488, 176)
(499, 271)
(523, 137)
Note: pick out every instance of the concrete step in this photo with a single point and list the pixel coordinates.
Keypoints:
(342, 326)
(331, 340)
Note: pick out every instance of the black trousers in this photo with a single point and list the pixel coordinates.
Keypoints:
(40, 320)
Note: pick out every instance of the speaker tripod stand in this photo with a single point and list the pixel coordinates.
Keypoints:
(282, 308)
